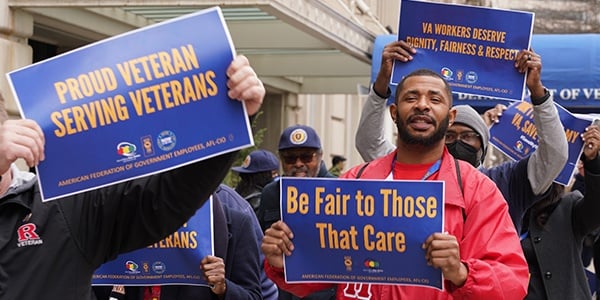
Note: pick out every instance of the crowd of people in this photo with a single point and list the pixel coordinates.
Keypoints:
(502, 225)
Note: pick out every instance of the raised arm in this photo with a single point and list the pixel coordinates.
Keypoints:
(369, 140)
(585, 215)
(552, 153)
(130, 215)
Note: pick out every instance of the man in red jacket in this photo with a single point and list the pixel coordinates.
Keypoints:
(479, 253)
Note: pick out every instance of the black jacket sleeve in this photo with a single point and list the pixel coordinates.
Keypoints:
(585, 215)
(127, 216)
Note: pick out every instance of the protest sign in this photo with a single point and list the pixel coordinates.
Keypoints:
(173, 260)
(361, 230)
(132, 105)
(516, 135)
(475, 55)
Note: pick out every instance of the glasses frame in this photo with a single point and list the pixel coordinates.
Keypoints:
(305, 158)
(468, 137)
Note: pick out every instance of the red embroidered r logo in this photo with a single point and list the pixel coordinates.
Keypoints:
(27, 232)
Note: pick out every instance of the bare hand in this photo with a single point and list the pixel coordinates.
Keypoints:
(492, 115)
(399, 50)
(442, 252)
(277, 242)
(591, 139)
(21, 138)
(213, 269)
(244, 85)
(529, 61)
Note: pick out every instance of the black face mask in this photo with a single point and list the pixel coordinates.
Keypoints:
(466, 152)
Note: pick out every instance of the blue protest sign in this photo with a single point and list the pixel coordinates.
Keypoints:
(516, 135)
(173, 260)
(475, 55)
(361, 230)
(135, 104)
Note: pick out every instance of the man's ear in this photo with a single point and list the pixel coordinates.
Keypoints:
(452, 115)
(393, 113)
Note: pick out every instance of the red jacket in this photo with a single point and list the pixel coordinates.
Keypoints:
(489, 244)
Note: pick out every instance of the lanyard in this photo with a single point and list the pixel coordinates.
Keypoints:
(524, 235)
(434, 168)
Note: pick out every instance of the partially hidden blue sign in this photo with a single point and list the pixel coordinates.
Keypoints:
(174, 260)
(516, 135)
(368, 231)
(135, 104)
(475, 55)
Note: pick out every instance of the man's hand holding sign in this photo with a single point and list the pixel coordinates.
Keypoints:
(138, 108)
(360, 231)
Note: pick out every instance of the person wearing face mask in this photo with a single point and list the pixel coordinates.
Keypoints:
(467, 139)
(523, 182)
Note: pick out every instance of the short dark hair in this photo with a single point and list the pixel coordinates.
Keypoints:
(336, 159)
(422, 72)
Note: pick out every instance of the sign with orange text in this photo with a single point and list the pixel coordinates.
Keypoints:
(136, 104)
(175, 259)
(474, 54)
(516, 135)
(365, 231)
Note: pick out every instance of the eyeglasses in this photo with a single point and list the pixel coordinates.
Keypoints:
(291, 158)
(468, 137)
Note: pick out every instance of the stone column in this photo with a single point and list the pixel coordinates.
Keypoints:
(16, 26)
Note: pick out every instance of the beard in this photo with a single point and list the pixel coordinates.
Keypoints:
(294, 172)
(426, 141)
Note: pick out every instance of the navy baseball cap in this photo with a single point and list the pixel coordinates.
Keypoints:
(258, 161)
(299, 136)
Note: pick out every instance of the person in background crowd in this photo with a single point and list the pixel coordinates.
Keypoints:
(338, 164)
(323, 172)
(74, 235)
(590, 251)
(233, 272)
(478, 253)
(554, 229)
(521, 182)
(300, 154)
(259, 168)
(233, 200)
